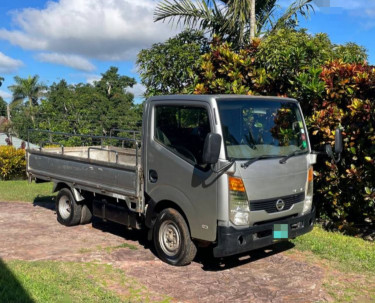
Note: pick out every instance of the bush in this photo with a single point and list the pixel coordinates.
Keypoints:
(12, 163)
(332, 93)
(167, 68)
(346, 191)
(223, 71)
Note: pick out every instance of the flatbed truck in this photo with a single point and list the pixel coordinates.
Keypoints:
(234, 173)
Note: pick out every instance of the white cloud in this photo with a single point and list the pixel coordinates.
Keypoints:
(5, 95)
(92, 78)
(352, 4)
(137, 90)
(362, 10)
(9, 65)
(347, 4)
(370, 12)
(73, 61)
(101, 29)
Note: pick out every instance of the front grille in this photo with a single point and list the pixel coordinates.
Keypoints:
(269, 205)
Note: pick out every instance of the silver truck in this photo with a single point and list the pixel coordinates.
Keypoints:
(231, 172)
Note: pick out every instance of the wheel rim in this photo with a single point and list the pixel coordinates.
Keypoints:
(65, 207)
(169, 238)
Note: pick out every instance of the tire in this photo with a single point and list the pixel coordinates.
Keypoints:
(67, 210)
(172, 238)
(86, 214)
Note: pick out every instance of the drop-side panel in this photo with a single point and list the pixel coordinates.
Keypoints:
(106, 177)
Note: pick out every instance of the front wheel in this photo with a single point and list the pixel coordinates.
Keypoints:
(67, 210)
(172, 238)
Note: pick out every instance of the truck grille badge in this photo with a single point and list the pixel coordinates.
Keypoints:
(280, 204)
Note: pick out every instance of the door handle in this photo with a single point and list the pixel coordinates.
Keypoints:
(153, 176)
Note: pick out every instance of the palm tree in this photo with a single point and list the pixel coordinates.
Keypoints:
(233, 20)
(29, 89)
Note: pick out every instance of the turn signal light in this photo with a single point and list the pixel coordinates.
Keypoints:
(310, 176)
(236, 184)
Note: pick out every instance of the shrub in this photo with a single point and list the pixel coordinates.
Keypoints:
(167, 68)
(346, 191)
(286, 54)
(12, 163)
(223, 71)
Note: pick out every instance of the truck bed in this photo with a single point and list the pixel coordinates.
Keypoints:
(111, 171)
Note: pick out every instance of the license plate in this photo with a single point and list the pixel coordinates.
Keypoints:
(280, 231)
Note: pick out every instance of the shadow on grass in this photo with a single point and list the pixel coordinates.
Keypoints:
(45, 201)
(11, 289)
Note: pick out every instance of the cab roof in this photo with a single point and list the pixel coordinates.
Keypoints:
(217, 97)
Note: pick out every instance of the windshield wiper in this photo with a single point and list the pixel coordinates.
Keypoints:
(292, 154)
(252, 160)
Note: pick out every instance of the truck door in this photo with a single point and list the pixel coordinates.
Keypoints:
(174, 169)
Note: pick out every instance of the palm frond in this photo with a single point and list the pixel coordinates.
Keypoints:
(265, 14)
(16, 101)
(238, 18)
(186, 12)
(231, 19)
(302, 7)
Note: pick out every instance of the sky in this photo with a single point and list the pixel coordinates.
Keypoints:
(78, 40)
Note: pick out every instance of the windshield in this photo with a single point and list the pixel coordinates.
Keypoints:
(254, 128)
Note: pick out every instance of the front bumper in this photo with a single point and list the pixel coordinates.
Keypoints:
(232, 241)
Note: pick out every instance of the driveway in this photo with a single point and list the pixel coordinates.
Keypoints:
(31, 232)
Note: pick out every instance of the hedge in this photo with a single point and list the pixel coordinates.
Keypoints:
(12, 163)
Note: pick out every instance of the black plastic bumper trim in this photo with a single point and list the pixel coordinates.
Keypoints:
(232, 241)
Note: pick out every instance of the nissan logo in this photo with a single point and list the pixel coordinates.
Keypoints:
(280, 204)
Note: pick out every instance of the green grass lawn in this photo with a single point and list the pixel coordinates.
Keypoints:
(348, 263)
(50, 281)
(349, 253)
(22, 191)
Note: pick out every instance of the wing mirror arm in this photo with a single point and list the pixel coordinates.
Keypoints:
(339, 146)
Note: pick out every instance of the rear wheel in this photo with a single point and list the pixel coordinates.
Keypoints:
(172, 238)
(67, 210)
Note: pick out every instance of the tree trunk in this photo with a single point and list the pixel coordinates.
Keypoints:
(8, 112)
(252, 20)
(31, 111)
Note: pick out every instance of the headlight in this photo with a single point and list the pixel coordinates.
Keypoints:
(309, 192)
(238, 203)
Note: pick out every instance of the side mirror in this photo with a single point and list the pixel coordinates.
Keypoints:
(211, 149)
(338, 141)
(339, 147)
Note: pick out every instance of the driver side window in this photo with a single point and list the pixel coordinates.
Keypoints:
(183, 130)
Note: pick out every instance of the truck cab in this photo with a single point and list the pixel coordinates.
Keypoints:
(255, 189)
